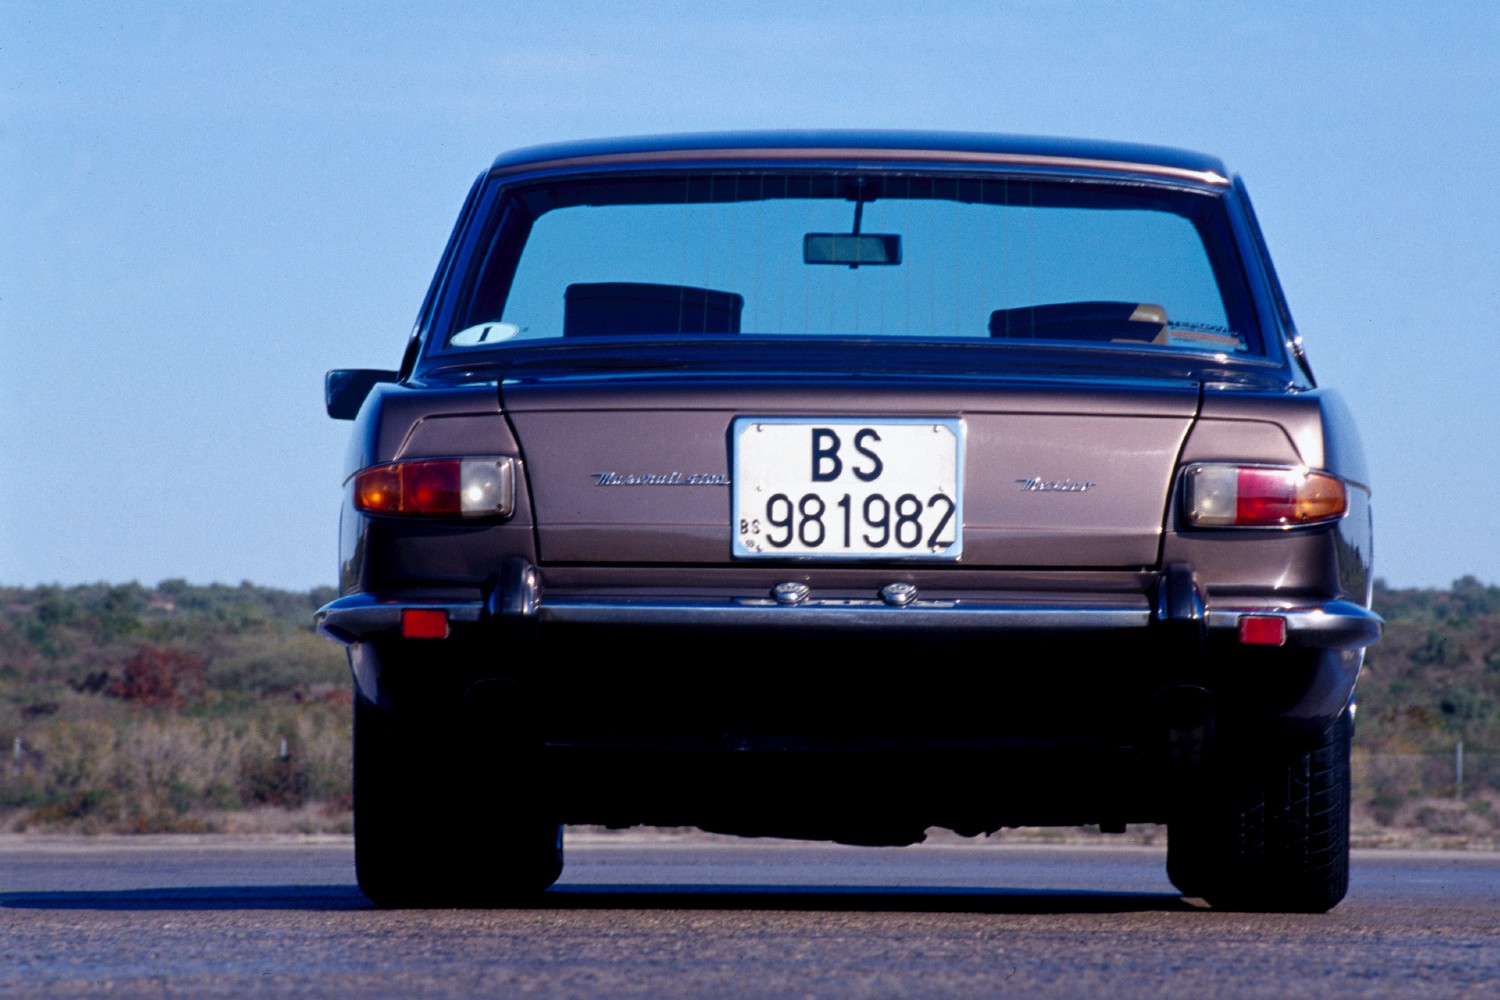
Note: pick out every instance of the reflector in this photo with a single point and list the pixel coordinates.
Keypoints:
(1263, 630)
(424, 623)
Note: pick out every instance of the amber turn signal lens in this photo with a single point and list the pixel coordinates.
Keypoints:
(378, 490)
(1260, 496)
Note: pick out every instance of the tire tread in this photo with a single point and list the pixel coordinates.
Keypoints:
(1273, 841)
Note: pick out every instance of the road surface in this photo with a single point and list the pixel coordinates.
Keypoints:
(642, 915)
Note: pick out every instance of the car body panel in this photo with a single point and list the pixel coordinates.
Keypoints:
(1123, 444)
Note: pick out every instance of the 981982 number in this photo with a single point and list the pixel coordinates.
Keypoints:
(907, 522)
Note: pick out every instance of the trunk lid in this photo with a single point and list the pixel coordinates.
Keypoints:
(1071, 473)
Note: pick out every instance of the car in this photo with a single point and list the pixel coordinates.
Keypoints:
(843, 486)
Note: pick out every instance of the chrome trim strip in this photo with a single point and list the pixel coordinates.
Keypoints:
(885, 159)
(872, 613)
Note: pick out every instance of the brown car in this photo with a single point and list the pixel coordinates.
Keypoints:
(845, 485)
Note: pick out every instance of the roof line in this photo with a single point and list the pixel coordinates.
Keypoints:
(847, 153)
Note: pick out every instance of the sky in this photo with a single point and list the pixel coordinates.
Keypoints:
(205, 206)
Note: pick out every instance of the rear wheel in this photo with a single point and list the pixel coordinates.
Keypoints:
(436, 824)
(1270, 840)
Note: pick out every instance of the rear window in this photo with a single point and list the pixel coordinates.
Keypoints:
(863, 256)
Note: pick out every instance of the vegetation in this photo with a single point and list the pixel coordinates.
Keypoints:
(1427, 746)
(174, 708)
(186, 708)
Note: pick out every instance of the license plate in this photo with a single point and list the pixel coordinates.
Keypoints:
(848, 488)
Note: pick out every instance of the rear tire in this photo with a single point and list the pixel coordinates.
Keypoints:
(430, 831)
(1270, 841)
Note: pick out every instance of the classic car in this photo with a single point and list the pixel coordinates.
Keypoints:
(843, 486)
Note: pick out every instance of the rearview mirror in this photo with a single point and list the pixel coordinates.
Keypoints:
(852, 249)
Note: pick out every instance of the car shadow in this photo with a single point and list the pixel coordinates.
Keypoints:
(574, 896)
(195, 898)
(857, 898)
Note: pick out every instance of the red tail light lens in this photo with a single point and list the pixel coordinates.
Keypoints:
(1261, 496)
(441, 487)
(431, 487)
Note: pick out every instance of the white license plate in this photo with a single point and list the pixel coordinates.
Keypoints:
(848, 488)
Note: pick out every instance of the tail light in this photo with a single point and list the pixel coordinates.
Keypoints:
(439, 487)
(1261, 496)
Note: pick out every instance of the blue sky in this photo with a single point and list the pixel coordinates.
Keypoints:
(207, 205)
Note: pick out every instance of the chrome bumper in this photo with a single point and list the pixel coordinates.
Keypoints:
(1328, 625)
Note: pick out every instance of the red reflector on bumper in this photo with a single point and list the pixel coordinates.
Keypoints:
(421, 623)
(1263, 630)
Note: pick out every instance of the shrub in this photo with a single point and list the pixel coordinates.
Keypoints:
(160, 676)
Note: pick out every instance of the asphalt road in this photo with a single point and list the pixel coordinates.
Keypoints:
(660, 917)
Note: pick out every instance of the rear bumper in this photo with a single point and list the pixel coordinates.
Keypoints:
(1013, 671)
(1334, 624)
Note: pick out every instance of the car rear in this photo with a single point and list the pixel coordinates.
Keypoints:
(843, 491)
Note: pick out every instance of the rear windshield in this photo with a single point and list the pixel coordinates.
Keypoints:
(867, 256)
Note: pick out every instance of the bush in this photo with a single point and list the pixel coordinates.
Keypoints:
(161, 677)
(160, 772)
